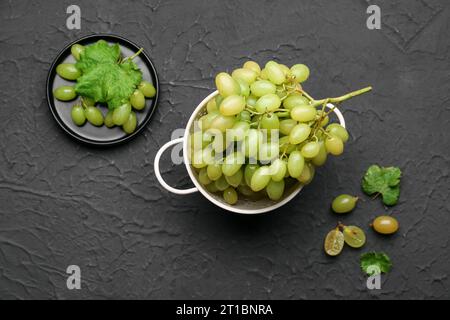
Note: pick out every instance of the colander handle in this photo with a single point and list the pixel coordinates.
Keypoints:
(158, 172)
(338, 114)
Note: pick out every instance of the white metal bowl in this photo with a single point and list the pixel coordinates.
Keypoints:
(244, 206)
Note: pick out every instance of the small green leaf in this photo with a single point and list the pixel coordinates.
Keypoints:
(385, 181)
(99, 52)
(375, 263)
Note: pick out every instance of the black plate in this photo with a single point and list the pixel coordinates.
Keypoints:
(100, 136)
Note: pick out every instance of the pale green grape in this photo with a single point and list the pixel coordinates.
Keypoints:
(300, 72)
(287, 72)
(325, 119)
(214, 171)
(278, 169)
(109, 119)
(270, 122)
(77, 50)
(303, 113)
(260, 178)
(310, 150)
(65, 93)
(211, 106)
(68, 71)
(263, 74)
(94, 116)
(226, 85)
(232, 163)
(268, 103)
(147, 89)
(275, 72)
(268, 151)
(244, 86)
(262, 87)
(137, 100)
(252, 65)
(207, 120)
(287, 125)
(307, 174)
(235, 179)
(238, 132)
(221, 184)
(334, 242)
(296, 163)
(248, 172)
(232, 105)
(285, 146)
(251, 100)
(244, 116)
(230, 196)
(295, 100)
(337, 130)
(334, 145)
(252, 142)
(203, 177)
(275, 189)
(78, 116)
(245, 74)
(299, 133)
(223, 123)
(212, 188)
(344, 203)
(321, 157)
(354, 236)
(121, 114)
(218, 99)
(130, 125)
(246, 191)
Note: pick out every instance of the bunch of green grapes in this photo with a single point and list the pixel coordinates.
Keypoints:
(263, 132)
(87, 111)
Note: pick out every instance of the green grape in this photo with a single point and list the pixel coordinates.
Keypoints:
(246, 191)
(248, 172)
(232, 163)
(211, 106)
(260, 178)
(285, 146)
(226, 85)
(94, 116)
(300, 72)
(344, 203)
(207, 120)
(263, 75)
(76, 51)
(303, 113)
(296, 163)
(68, 71)
(338, 131)
(245, 116)
(223, 123)
(268, 103)
(214, 171)
(232, 105)
(78, 116)
(212, 188)
(236, 179)
(252, 65)
(334, 242)
(130, 125)
(270, 122)
(262, 87)
(147, 89)
(109, 119)
(354, 236)
(287, 72)
(219, 144)
(324, 121)
(275, 72)
(252, 142)
(307, 174)
(385, 225)
(244, 87)
(195, 140)
(295, 100)
(197, 159)
(88, 101)
(65, 93)
(268, 151)
(287, 125)
(334, 145)
(321, 157)
(278, 170)
(310, 150)
(251, 100)
(230, 196)
(203, 177)
(121, 114)
(245, 74)
(299, 133)
(238, 132)
(221, 183)
(137, 100)
(275, 189)
(218, 100)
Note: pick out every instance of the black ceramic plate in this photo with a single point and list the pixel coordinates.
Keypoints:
(100, 136)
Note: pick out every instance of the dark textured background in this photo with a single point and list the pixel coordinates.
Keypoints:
(64, 203)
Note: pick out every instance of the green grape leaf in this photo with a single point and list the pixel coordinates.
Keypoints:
(99, 52)
(110, 83)
(385, 181)
(375, 263)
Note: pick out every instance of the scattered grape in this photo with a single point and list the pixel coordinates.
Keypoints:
(385, 225)
(344, 203)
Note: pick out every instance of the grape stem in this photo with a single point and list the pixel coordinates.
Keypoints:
(133, 56)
